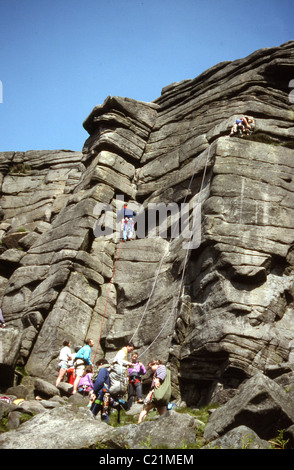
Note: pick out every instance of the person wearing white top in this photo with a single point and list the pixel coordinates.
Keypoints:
(121, 357)
(64, 357)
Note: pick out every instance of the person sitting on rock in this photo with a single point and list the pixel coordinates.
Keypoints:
(85, 384)
(64, 357)
(82, 359)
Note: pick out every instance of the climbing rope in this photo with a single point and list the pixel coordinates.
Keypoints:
(197, 163)
(183, 273)
(110, 284)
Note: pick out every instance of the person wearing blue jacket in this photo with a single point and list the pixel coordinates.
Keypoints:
(101, 390)
(82, 359)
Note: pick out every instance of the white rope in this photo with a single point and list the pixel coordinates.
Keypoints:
(198, 161)
(185, 263)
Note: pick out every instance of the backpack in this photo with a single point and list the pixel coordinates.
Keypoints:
(118, 380)
(161, 395)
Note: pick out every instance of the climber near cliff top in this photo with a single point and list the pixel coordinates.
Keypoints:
(242, 126)
(127, 222)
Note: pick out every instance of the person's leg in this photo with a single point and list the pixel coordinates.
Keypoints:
(139, 392)
(79, 374)
(146, 408)
(162, 410)
(130, 229)
(61, 374)
(125, 231)
(96, 408)
(130, 396)
(76, 383)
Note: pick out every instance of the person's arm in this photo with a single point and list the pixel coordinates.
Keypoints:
(102, 375)
(161, 373)
(120, 358)
(142, 369)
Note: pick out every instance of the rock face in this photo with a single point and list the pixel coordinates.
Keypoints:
(69, 427)
(218, 312)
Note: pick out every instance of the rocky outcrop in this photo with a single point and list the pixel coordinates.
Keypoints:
(219, 312)
(260, 404)
(258, 416)
(67, 426)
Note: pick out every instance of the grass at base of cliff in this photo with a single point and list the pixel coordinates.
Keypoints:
(201, 414)
(4, 421)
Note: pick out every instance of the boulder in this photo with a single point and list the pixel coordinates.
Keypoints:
(45, 389)
(240, 437)
(19, 391)
(260, 404)
(59, 428)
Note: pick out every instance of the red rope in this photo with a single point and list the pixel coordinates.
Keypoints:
(110, 284)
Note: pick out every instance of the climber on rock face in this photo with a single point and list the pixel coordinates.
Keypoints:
(127, 222)
(247, 123)
(238, 128)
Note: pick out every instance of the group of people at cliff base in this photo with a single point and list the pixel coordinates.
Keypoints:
(243, 126)
(96, 381)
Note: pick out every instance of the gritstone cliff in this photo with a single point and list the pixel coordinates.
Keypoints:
(218, 312)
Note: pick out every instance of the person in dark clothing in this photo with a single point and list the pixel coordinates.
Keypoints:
(101, 390)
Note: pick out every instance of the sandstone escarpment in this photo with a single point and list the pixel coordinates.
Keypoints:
(218, 312)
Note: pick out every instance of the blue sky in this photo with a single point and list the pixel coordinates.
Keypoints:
(60, 58)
